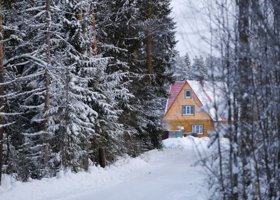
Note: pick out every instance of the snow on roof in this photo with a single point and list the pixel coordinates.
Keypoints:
(211, 94)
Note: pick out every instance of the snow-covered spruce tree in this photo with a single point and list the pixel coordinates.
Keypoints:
(199, 71)
(117, 40)
(121, 35)
(187, 60)
(3, 91)
(42, 73)
(182, 67)
(70, 118)
(27, 61)
(156, 30)
(87, 109)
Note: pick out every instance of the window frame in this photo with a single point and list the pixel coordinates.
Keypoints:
(188, 97)
(200, 127)
(192, 107)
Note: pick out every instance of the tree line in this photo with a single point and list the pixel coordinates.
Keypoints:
(198, 68)
(80, 78)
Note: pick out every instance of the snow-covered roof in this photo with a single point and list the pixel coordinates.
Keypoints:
(208, 92)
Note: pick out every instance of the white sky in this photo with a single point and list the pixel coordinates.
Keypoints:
(192, 27)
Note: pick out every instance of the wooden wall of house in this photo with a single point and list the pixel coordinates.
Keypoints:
(174, 116)
(187, 124)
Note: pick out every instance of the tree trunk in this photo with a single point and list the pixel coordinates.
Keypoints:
(149, 38)
(47, 83)
(1, 89)
(94, 40)
(244, 94)
(276, 8)
(101, 157)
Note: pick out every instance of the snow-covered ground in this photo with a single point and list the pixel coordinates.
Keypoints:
(168, 174)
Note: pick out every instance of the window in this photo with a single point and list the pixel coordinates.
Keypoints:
(197, 128)
(188, 110)
(188, 94)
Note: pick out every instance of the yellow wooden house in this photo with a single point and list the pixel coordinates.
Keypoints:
(194, 108)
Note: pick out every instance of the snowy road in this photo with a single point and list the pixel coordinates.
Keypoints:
(169, 174)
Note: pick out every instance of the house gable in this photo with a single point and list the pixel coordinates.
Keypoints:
(174, 107)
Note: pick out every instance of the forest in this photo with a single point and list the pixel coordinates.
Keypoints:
(80, 79)
(84, 82)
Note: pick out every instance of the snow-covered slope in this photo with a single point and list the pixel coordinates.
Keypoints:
(168, 174)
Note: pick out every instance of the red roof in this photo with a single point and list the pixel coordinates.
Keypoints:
(175, 89)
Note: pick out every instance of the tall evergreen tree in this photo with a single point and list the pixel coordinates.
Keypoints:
(151, 89)
(199, 71)
(183, 70)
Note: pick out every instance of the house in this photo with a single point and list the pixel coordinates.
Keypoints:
(195, 107)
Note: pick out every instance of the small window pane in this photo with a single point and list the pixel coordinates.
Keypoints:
(188, 94)
(197, 128)
(192, 109)
(184, 109)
